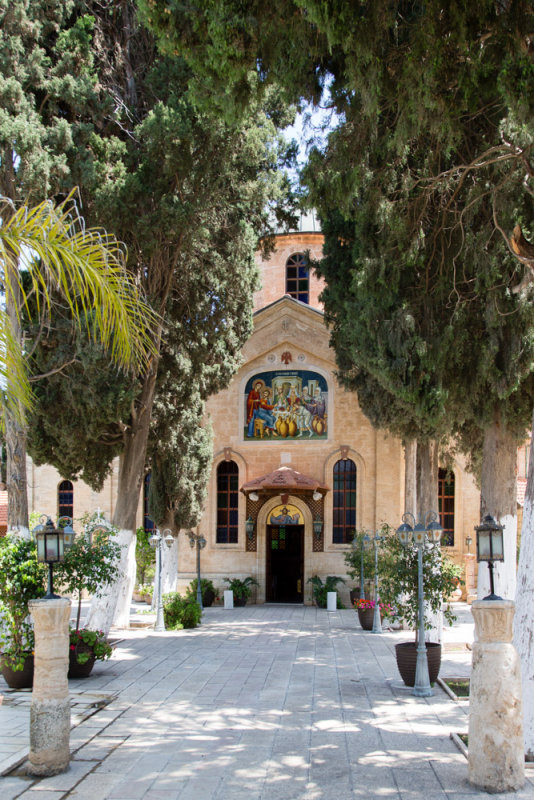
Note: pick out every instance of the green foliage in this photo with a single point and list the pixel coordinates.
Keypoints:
(180, 612)
(191, 196)
(92, 561)
(241, 587)
(320, 589)
(399, 582)
(145, 557)
(22, 578)
(353, 556)
(205, 586)
(86, 643)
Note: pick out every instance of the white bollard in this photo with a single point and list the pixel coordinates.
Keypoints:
(228, 598)
(496, 751)
(331, 601)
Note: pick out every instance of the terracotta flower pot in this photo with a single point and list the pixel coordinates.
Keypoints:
(19, 679)
(406, 653)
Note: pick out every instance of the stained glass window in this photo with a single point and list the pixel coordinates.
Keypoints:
(344, 501)
(65, 499)
(446, 506)
(298, 277)
(227, 502)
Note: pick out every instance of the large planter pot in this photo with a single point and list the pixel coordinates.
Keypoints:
(19, 679)
(366, 617)
(407, 659)
(81, 670)
(208, 597)
(240, 601)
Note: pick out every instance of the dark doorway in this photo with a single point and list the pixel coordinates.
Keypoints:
(285, 563)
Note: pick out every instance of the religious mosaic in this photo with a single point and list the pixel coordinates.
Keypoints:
(286, 405)
(285, 515)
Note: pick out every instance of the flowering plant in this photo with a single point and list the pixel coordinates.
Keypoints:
(386, 609)
(86, 643)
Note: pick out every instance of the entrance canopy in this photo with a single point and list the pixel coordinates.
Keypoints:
(285, 480)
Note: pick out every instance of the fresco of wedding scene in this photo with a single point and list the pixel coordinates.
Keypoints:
(282, 405)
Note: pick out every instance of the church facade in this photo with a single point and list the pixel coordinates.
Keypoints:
(297, 467)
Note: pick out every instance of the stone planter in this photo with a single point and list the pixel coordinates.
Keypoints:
(406, 653)
(19, 679)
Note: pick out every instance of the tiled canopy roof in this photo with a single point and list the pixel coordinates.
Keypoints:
(284, 479)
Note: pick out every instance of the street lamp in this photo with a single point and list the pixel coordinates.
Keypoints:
(377, 623)
(490, 547)
(157, 540)
(364, 541)
(427, 529)
(51, 545)
(198, 540)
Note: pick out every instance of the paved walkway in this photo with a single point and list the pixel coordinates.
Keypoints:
(264, 703)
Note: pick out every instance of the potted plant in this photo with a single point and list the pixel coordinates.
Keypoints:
(320, 589)
(354, 557)
(22, 578)
(398, 587)
(366, 612)
(241, 589)
(90, 564)
(86, 647)
(209, 592)
(180, 612)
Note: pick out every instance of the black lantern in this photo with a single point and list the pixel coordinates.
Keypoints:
(490, 547)
(249, 528)
(318, 527)
(50, 549)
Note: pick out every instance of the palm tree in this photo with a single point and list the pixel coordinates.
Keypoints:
(87, 267)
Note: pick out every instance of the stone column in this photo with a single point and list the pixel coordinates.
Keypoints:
(469, 590)
(50, 708)
(496, 748)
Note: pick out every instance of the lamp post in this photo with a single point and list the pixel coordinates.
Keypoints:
(198, 540)
(363, 544)
(157, 540)
(377, 623)
(427, 529)
(490, 548)
(51, 544)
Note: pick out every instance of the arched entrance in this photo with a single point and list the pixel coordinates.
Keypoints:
(283, 538)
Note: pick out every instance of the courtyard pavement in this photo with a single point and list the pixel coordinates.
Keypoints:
(259, 703)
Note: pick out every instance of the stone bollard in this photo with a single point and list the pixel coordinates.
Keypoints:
(50, 707)
(331, 601)
(228, 598)
(496, 747)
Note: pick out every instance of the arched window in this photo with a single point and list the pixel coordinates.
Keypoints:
(148, 524)
(298, 277)
(227, 502)
(446, 506)
(344, 519)
(65, 499)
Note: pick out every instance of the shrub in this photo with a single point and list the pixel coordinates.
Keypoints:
(241, 588)
(206, 586)
(180, 612)
(320, 589)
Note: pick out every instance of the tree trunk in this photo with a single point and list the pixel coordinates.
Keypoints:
(169, 566)
(410, 476)
(524, 613)
(16, 475)
(113, 604)
(427, 477)
(498, 497)
(427, 497)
